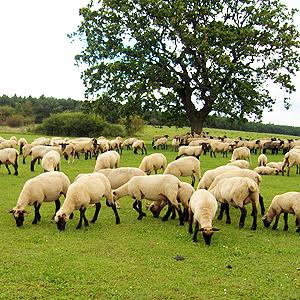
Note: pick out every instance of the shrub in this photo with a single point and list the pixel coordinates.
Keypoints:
(15, 121)
(132, 124)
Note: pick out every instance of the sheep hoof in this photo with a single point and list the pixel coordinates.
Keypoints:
(229, 222)
(241, 225)
(285, 228)
(253, 227)
(117, 221)
(93, 221)
(219, 217)
(164, 219)
(298, 230)
(78, 227)
(140, 217)
(274, 227)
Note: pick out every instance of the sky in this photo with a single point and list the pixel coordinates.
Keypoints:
(37, 57)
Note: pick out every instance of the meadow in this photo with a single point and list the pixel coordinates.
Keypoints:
(139, 259)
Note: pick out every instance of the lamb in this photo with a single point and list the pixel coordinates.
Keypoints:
(152, 187)
(51, 161)
(22, 142)
(210, 175)
(139, 144)
(288, 203)
(292, 158)
(46, 187)
(242, 164)
(262, 160)
(189, 151)
(237, 191)
(153, 162)
(264, 170)
(9, 156)
(202, 209)
(161, 142)
(241, 153)
(85, 190)
(185, 166)
(106, 160)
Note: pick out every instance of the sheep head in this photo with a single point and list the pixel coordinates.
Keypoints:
(61, 221)
(18, 214)
(266, 222)
(207, 234)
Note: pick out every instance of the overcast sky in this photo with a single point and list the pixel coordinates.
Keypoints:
(37, 57)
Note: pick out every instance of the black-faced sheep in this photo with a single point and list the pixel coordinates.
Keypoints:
(139, 144)
(153, 162)
(9, 156)
(51, 161)
(107, 160)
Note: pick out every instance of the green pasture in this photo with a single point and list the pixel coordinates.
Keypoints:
(147, 259)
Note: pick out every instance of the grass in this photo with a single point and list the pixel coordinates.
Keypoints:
(136, 259)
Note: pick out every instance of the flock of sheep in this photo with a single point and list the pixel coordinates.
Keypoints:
(233, 184)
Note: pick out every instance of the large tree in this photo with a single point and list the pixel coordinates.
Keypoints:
(196, 55)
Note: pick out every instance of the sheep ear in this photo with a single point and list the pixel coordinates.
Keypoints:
(201, 229)
(215, 229)
(11, 211)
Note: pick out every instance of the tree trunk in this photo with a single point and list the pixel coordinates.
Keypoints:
(196, 123)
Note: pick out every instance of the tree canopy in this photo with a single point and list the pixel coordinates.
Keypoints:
(195, 56)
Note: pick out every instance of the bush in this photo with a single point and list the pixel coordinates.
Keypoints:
(15, 121)
(113, 130)
(132, 124)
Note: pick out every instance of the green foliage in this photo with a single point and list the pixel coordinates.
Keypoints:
(15, 121)
(5, 112)
(189, 55)
(132, 124)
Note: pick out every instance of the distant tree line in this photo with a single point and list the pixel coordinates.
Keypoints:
(16, 111)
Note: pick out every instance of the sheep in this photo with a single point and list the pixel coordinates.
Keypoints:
(183, 196)
(185, 166)
(51, 161)
(292, 158)
(153, 187)
(46, 187)
(237, 191)
(86, 189)
(8, 144)
(262, 160)
(242, 164)
(217, 146)
(210, 175)
(189, 151)
(139, 144)
(102, 145)
(22, 142)
(240, 153)
(175, 144)
(9, 156)
(41, 141)
(115, 145)
(156, 137)
(288, 203)
(84, 145)
(26, 150)
(107, 160)
(153, 162)
(161, 142)
(202, 209)
(68, 151)
(264, 170)
(128, 143)
(276, 165)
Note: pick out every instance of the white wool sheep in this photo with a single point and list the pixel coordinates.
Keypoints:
(276, 165)
(237, 191)
(102, 145)
(241, 163)
(210, 175)
(85, 190)
(202, 209)
(175, 144)
(128, 143)
(265, 170)
(107, 160)
(153, 162)
(153, 187)
(8, 144)
(26, 150)
(161, 142)
(84, 145)
(51, 161)
(287, 203)
(139, 144)
(189, 151)
(292, 158)
(241, 153)
(185, 166)
(221, 147)
(262, 160)
(46, 187)
(183, 196)
(22, 142)
(115, 145)
(9, 156)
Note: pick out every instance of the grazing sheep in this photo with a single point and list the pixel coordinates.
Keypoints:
(26, 150)
(237, 191)
(115, 145)
(139, 144)
(153, 187)
(262, 160)
(128, 143)
(51, 161)
(102, 145)
(85, 190)
(156, 137)
(153, 162)
(107, 160)
(22, 142)
(8, 144)
(265, 170)
(183, 196)
(292, 158)
(277, 165)
(243, 164)
(84, 145)
(202, 209)
(287, 203)
(189, 151)
(185, 166)
(9, 156)
(210, 175)
(217, 146)
(241, 153)
(175, 144)
(161, 142)
(46, 187)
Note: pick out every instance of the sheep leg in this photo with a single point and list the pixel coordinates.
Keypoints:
(137, 205)
(262, 206)
(193, 180)
(6, 166)
(298, 224)
(57, 207)
(173, 213)
(228, 221)
(254, 215)
(243, 216)
(97, 210)
(222, 209)
(23, 160)
(191, 218)
(276, 222)
(32, 164)
(114, 208)
(167, 215)
(185, 214)
(82, 216)
(37, 216)
(180, 215)
(285, 218)
(195, 240)
(16, 168)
